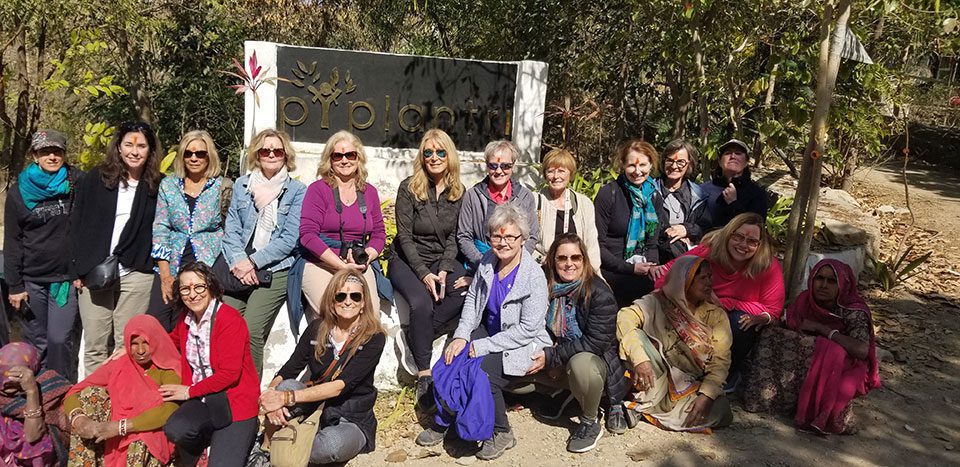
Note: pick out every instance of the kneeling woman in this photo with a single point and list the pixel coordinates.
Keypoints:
(120, 403)
(342, 349)
(582, 320)
(677, 342)
(502, 322)
(221, 399)
(823, 359)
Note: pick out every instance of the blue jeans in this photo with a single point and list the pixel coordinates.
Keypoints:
(335, 443)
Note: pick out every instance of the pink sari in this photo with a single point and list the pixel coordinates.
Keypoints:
(835, 378)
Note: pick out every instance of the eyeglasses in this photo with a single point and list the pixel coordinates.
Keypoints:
(428, 153)
(679, 163)
(199, 289)
(274, 153)
(504, 166)
(496, 239)
(338, 156)
(571, 258)
(197, 154)
(340, 297)
(741, 238)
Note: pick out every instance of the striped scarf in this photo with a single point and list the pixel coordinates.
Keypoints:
(562, 314)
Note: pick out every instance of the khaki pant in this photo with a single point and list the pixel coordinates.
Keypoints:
(584, 375)
(315, 281)
(104, 314)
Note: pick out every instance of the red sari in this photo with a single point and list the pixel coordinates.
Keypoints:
(834, 378)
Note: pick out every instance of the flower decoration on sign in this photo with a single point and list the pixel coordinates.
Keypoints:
(251, 77)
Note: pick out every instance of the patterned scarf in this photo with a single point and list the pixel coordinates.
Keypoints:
(691, 330)
(643, 216)
(265, 192)
(36, 185)
(562, 314)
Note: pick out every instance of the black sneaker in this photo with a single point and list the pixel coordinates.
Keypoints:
(586, 437)
(733, 380)
(553, 408)
(616, 420)
(424, 393)
(431, 436)
(497, 445)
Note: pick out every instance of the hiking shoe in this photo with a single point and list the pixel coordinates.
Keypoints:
(553, 408)
(733, 380)
(633, 418)
(496, 446)
(616, 420)
(431, 436)
(586, 437)
(424, 393)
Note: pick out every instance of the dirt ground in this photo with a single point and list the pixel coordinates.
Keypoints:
(913, 420)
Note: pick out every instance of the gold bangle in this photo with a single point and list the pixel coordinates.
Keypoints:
(34, 413)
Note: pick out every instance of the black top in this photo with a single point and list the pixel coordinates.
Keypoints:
(571, 228)
(92, 220)
(419, 226)
(188, 255)
(751, 197)
(613, 211)
(36, 243)
(356, 400)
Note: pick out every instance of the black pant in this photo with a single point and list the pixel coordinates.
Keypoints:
(743, 341)
(428, 319)
(164, 312)
(492, 365)
(627, 287)
(189, 428)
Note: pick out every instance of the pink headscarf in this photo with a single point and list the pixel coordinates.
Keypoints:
(132, 391)
(834, 377)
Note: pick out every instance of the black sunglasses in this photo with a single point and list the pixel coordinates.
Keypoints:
(340, 297)
(197, 154)
(351, 156)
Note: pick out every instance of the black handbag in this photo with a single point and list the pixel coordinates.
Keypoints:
(230, 283)
(104, 275)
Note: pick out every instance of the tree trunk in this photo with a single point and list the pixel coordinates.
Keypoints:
(703, 116)
(802, 219)
(758, 152)
(21, 126)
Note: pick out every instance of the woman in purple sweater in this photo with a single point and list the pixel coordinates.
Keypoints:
(341, 225)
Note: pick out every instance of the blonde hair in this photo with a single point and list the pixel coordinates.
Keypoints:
(718, 242)
(213, 160)
(494, 147)
(419, 183)
(639, 146)
(253, 160)
(559, 158)
(368, 321)
(325, 169)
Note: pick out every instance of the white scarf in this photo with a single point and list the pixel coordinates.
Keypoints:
(265, 198)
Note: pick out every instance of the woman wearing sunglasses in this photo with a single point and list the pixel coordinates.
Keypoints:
(342, 348)
(189, 223)
(425, 269)
(341, 225)
(221, 387)
(260, 233)
(113, 215)
(496, 189)
(683, 214)
(747, 279)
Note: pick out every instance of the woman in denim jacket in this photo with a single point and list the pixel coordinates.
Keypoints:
(261, 231)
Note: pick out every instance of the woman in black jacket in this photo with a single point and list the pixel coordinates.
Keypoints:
(582, 321)
(424, 268)
(113, 215)
(730, 191)
(627, 223)
(683, 214)
(37, 252)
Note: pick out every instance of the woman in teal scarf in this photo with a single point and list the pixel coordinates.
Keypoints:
(37, 252)
(627, 224)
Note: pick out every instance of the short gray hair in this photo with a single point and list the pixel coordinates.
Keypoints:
(506, 214)
(495, 146)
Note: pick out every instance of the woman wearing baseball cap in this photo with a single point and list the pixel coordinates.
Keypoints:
(730, 191)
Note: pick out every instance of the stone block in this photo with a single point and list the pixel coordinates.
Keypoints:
(843, 234)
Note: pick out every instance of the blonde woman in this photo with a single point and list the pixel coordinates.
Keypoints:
(342, 348)
(260, 234)
(562, 210)
(341, 225)
(188, 225)
(425, 269)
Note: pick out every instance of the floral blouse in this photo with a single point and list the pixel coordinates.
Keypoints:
(174, 224)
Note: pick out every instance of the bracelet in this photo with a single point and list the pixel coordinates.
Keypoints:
(831, 334)
(293, 397)
(35, 413)
(122, 427)
(76, 414)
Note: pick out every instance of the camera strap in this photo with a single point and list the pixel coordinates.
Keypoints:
(363, 212)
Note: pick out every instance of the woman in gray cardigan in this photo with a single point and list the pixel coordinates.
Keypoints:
(502, 320)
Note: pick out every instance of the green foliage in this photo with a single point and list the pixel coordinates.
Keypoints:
(589, 183)
(895, 271)
(96, 137)
(777, 217)
(390, 225)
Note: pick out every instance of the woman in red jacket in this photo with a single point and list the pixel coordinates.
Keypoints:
(222, 391)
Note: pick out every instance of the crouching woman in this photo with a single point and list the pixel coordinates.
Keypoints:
(677, 342)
